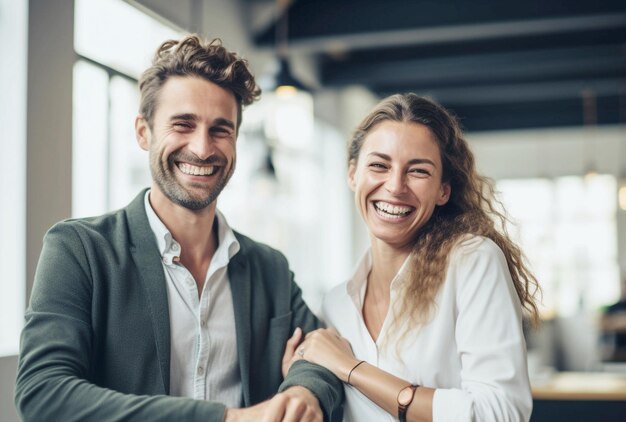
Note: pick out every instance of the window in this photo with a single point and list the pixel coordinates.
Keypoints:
(567, 229)
(299, 206)
(13, 27)
(108, 168)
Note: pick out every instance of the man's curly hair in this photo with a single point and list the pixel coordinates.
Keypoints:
(193, 56)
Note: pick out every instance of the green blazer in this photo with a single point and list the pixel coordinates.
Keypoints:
(96, 343)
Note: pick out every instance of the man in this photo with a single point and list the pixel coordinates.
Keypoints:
(159, 311)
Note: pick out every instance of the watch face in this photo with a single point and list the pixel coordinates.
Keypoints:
(405, 396)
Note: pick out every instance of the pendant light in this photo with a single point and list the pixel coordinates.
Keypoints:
(289, 122)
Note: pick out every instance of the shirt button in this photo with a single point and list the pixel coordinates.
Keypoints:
(200, 370)
(203, 324)
(175, 246)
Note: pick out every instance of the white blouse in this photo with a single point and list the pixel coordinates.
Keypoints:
(472, 351)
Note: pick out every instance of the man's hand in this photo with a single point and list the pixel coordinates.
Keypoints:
(292, 405)
(290, 349)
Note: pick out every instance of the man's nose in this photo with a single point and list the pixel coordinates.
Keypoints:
(201, 144)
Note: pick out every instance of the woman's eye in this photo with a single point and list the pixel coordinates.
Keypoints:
(378, 166)
(420, 172)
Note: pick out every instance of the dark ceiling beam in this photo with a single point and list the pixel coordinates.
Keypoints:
(498, 64)
(514, 93)
(533, 114)
(447, 34)
(331, 25)
(481, 68)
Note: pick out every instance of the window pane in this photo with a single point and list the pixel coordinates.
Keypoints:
(129, 171)
(109, 168)
(567, 229)
(121, 49)
(90, 155)
(13, 25)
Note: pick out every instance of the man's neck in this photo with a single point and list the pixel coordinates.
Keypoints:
(195, 231)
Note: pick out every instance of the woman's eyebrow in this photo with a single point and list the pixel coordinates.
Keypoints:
(413, 161)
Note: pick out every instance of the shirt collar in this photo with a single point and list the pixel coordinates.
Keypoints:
(169, 248)
(356, 286)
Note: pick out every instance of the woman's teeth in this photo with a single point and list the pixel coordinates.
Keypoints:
(394, 210)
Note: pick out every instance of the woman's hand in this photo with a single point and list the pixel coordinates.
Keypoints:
(327, 348)
(290, 349)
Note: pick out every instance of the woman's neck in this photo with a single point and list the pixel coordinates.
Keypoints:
(386, 262)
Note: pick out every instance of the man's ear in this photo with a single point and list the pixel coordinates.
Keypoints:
(445, 194)
(351, 174)
(142, 132)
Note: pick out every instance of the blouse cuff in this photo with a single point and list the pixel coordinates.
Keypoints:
(451, 405)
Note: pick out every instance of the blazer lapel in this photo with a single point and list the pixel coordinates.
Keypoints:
(240, 285)
(147, 257)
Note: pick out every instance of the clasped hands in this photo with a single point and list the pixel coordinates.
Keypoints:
(324, 347)
(292, 405)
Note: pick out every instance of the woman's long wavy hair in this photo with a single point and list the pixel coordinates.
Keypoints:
(471, 209)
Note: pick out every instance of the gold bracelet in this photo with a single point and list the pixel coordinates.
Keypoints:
(353, 368)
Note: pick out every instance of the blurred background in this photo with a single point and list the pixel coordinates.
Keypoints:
(539, 87)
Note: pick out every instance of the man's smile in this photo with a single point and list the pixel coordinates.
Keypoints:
(193, 170)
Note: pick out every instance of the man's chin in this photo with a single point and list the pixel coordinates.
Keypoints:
(193, 203)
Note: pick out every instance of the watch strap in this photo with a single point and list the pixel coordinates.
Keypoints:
(403, 407)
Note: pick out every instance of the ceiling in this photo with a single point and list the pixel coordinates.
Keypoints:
(498, 64)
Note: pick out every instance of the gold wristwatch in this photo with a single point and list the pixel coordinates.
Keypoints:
(405, 397)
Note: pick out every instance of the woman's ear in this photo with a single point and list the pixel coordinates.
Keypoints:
(142, 132)
(446, 189)
(351, 174)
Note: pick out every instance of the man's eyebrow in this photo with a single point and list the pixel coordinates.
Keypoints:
(413, 161)
(184, 116)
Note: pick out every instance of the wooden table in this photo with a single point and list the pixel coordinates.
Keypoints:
(581, 386)
(580, 396)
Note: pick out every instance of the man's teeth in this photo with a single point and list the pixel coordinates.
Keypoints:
(390, 209)
(196, 170)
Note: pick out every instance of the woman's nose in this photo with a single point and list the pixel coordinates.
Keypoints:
(396, 183)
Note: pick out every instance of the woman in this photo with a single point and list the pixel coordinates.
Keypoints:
(433, 313)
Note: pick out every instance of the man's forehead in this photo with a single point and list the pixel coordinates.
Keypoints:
(195, 96)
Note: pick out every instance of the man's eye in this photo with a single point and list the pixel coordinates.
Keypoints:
(182, 125)
(220, 131)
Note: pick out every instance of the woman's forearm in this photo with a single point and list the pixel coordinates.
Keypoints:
(382, 388)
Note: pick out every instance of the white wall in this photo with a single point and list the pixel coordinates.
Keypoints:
(49, 142)
(8, 368)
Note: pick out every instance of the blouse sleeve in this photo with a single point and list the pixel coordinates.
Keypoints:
(490, 342)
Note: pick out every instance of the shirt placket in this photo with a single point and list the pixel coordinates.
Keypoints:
(196, 306)
(203, 341)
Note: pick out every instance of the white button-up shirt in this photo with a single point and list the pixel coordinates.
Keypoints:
(472, 350)
(203, 349)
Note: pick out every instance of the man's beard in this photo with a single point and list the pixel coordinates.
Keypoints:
(172, 189)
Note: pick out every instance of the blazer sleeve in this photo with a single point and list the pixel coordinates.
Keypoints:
(56, 348)
(320, 381)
